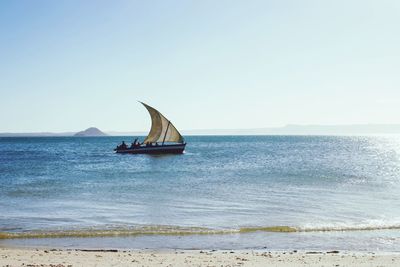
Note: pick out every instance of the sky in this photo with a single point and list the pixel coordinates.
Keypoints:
(68, 65)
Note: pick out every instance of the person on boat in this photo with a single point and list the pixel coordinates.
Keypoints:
(134, 144)
(138, 144)
(123, 145)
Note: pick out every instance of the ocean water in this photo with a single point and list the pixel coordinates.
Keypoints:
(279, 192)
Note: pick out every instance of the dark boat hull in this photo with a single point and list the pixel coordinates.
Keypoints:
(161, 149)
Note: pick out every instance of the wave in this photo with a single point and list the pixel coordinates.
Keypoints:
(349, 228)
(341, 228)
(146, 230)
(178, 231)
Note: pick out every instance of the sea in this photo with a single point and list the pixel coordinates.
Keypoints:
(224, 192)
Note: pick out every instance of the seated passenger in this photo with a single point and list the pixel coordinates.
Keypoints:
(149, 144)
(123, 145)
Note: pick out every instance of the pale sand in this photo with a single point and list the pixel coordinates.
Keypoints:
(47, 257)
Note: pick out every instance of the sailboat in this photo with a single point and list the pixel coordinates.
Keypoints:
(163, 137)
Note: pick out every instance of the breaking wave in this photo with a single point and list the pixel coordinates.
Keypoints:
(177, 231)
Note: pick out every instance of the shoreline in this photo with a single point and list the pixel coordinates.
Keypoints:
(14, 256)
(366, 241)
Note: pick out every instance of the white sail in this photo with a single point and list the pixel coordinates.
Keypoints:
(162, 130)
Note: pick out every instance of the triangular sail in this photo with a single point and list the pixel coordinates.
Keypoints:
(162, 130)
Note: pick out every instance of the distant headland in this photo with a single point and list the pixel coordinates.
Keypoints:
(92, 131)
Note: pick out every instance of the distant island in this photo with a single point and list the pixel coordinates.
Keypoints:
(92, 131)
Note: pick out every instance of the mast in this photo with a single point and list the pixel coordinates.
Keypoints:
(165, 135)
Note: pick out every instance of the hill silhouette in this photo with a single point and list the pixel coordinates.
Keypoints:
(92, 131)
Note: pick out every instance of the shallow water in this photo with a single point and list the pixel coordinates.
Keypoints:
(221, 186)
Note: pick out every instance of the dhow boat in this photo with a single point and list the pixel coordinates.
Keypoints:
(163, 137)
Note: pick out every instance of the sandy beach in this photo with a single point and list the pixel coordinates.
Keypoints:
(54, 257)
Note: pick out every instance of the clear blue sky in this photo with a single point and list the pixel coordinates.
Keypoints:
(67, 65)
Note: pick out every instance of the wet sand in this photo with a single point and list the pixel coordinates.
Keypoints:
(67, 258)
